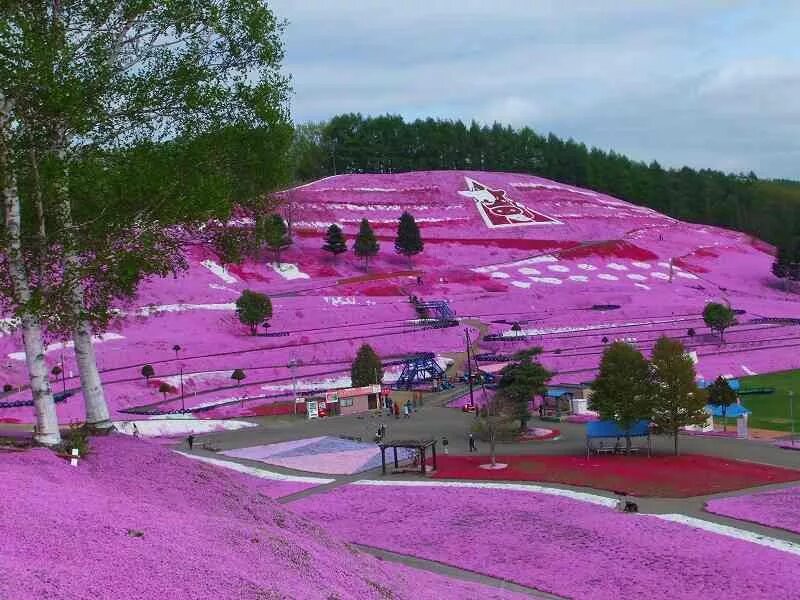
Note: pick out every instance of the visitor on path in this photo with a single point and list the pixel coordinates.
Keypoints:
(405, 411)
(190, 441)
(419, 280)
(135, 431)
(445, 444)
(472, 447)
(396, 411)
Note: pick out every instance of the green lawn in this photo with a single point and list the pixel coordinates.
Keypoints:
(771, 411)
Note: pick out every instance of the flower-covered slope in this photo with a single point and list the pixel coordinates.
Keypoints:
(776, 508)
(571, 266)
(136, 521)
(571, 548)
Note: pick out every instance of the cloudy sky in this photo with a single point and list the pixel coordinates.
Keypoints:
(708, 83)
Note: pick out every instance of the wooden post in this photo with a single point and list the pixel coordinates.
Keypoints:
(422, 461)
(433, 449)
(383, 459)
(396, 464)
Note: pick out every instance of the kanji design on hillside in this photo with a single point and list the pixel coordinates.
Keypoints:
(498, 210)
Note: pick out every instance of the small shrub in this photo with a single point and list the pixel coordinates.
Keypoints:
(77, 438)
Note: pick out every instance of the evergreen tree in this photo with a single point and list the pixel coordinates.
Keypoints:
(520, 381)
(238, 376)
(272, 231)
(148, 372)
(678, 401)
(721, 394)
(334, 241)
(780, 267)
(719, 317)
(253, 309)
(623, 391)
(409, 241)
(366, 246)
(367, 368)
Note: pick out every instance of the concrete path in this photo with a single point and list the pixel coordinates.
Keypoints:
(453, 572)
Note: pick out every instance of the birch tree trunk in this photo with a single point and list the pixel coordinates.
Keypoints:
(96, 408)
(47, 432)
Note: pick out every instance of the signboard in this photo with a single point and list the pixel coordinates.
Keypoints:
(498, 210)
(353, 392)
(312, 409)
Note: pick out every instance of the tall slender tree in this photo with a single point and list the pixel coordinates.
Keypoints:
(366, 245)
(409, 240)
(19, 290)
(678, 401)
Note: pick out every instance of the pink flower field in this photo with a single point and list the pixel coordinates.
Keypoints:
(112, 528)
(567, 547)
(776, 508)
(546, 272)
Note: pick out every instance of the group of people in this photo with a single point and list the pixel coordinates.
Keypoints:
(407, 409)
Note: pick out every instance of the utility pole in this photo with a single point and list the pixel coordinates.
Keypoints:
(469, 373)
(293, 367)
(183, 404)
(63, 375)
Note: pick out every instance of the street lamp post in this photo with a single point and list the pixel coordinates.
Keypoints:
(469, 373)
(293, 367)
(183, 403)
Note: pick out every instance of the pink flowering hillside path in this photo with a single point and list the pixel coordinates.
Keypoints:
(567, 547)
(775, 508)
(136, 521)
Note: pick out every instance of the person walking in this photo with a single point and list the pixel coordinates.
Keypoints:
(190, 441)
(445, 444)
(135, 431)
(472, 447)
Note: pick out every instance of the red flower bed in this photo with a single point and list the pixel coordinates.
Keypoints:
(609, 249)
(665, 476)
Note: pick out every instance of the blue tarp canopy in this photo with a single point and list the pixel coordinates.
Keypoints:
(557, 392)
(733, 383)
(734, 410)
(609, 429)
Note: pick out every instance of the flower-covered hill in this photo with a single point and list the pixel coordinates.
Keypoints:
(136, 521)
(575, 268)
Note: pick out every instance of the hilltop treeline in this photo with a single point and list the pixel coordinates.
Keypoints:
(352, 143)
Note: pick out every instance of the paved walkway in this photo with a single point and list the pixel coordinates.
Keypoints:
(453, 572)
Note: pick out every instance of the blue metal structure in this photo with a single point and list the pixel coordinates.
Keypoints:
(420, 368)
(437, 310)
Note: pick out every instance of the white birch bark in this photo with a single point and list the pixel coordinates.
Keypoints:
(94, 400)
(47, 432)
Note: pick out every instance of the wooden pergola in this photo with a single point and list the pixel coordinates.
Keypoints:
(420, 446)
